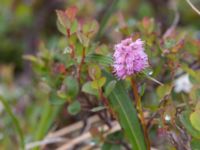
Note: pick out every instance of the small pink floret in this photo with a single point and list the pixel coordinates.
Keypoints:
(129, 58)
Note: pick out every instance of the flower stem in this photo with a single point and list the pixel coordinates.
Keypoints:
(105, 101)
(139, 109)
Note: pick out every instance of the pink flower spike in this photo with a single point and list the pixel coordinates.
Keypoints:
(129, 58)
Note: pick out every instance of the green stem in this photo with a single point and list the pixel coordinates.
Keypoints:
(140, 111)
(15, 121)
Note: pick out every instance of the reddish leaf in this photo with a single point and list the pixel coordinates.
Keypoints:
(71, 12)
(59, 68)
(146, 22)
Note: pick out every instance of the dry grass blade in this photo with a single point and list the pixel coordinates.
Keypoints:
(74, 127)
(193, 7)
(88, 135)
(57, 136)
(44, 142)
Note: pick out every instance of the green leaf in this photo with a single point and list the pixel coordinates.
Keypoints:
(15, 121)
(74, 27)
(83, 39)
(109, 87)
(192, 79)
(192, 73)
(121, 104)
(66, 20)
(74, 108)
(102, 49)
(169, 43)
(62, 18)
(94, 71)
(55, 99)
(106, 18)
(98, 83)
(87, 88)
(185, 120)
(108, 146)
(34, 59)
(113, 137)
(48, 114)
(195, 120)
(197, 107)
(162, 90)
(90, 27)
(100, 59)
(61, 94)
(195, 144)
(61, 28)
(197, 92)
(72, 86)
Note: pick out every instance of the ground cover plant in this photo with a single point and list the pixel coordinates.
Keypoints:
(109, 78)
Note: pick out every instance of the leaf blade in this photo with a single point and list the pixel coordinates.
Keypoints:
(15, 121)
(127, 115)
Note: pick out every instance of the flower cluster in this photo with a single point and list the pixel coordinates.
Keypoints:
(129, 58)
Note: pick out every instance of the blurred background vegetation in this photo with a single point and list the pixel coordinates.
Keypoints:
(25, 22)
(25, 25)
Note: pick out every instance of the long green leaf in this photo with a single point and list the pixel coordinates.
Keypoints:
(14, 120)
(121, 103)
(48, 115)
(106, 18)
